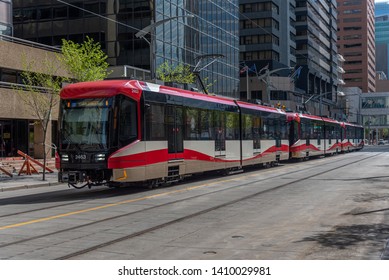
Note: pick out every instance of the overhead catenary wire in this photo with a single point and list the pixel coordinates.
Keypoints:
(124, 24)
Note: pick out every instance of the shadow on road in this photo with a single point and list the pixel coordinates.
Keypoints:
(343, 237)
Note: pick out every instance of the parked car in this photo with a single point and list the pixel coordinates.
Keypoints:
(381, 142)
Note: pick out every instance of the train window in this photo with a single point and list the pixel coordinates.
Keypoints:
(192, 125)
(127, 122)
(329, 133)
(252, 126)
(305, 133)
(256, 130)
(317, 127)
(155, 122)
(206, 125)
(219, 129)
(283, 128)
(269, 129)
(232, 126)
(247, 127)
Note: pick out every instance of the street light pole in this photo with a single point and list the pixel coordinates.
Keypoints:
(265, 79)
(151, 29)
(339, 93)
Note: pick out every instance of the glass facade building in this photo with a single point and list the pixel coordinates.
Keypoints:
(6, 17)
(382, 37)
(213, 29)
(381, 9)
(375, 110)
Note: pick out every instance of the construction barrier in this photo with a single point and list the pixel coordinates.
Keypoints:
(5, 172)
(28, 168)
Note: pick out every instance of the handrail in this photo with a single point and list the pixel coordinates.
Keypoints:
(21, 86)
(28, 43)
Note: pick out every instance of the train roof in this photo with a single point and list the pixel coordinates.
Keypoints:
(109, 88)
(97, 89)
(299, 116)
(352, 124)
(252, 106)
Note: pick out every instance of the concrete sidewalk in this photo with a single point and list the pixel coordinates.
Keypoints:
(27, 181)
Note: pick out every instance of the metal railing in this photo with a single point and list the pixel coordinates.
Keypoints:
(24, 87)
(28, 43)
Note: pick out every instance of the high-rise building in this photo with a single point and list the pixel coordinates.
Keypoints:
(212, 30)
(316, 48)
(6, 17)
(382, 37)
(356, 42)
(267, 31)
(381, 9)
(292, 33)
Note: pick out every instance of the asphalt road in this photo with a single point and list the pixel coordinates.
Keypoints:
(328, 208)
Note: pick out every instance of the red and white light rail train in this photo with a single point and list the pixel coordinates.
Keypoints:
(117, 132)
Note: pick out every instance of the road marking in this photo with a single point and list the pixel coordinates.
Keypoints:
(116, 204)
(134, 200)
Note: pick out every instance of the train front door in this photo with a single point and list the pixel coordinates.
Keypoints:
(175, 124)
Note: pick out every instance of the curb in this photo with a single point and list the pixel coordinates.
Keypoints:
(5, 189)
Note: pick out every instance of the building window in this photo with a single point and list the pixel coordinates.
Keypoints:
(356, 11)
(352, 37)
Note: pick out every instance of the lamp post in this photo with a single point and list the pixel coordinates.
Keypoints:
(151, 29)
(265, 78)
(339, 93)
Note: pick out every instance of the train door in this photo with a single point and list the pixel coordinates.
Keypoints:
(219, 125)
(175, 125)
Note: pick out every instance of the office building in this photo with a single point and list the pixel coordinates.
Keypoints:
(267, 40)
(382, 37)
(19, 129)
(212, 30)
(356, 42)
(6, 17)
(317, 51)
(295, 33)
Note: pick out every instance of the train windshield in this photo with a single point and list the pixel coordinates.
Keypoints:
(85, 123)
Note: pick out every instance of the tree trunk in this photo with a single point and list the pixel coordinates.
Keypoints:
(44, 155)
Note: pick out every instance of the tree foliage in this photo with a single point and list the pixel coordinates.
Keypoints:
(179, 74)
(42, 81)
(86, 61)
(40, 92)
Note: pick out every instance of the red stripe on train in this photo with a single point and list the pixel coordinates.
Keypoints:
(158, 156)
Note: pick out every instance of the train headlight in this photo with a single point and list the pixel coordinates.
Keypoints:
(100, 157)
(65, 157)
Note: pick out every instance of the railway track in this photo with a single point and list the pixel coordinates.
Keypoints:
(107, 193)
(182, 218)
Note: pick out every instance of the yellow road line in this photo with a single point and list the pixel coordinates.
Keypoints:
(113, 204)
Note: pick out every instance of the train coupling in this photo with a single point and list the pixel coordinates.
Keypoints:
(71, 177)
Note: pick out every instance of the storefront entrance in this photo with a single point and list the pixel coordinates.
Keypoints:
(13, 137)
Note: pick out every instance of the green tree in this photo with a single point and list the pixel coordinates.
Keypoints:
(179, 74)
(86, 61)
(40, 93)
